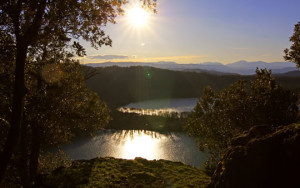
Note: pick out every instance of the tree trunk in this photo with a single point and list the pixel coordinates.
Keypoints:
(23, 40)
(23, 166)
(17, 110)
(35, 151)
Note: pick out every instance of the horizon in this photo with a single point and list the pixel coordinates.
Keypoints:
(189, 32)
(200, 63)
(240, 67)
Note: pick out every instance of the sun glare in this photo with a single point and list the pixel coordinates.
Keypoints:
(137, 16)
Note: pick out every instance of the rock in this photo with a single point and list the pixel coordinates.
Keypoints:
(261, 157)
(253, 132)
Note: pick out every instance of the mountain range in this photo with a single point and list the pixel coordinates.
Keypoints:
(240, 67)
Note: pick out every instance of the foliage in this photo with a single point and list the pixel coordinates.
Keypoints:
(6, 86)
(44, 25)
(49, 161)
(57, 107)
(218, 116)
(6, 68)
(293, 53)
(111, 172)
(270, 103)
(59, 100)
(42, 29)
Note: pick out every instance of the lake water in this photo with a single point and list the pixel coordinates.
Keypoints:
(128, 144)
(160, 107)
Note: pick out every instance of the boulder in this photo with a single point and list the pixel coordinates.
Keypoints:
(262, 157)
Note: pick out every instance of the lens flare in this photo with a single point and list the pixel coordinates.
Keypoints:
(52, 73)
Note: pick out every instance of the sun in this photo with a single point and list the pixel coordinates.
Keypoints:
(137, 16)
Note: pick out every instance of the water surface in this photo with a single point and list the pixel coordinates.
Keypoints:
(128, 144)
(160, 107)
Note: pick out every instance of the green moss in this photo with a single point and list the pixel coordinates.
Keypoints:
(111, 172)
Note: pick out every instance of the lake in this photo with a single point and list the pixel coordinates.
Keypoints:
(161, 106)
(128, 144)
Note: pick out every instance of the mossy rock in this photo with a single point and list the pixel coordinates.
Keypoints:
(261, 157)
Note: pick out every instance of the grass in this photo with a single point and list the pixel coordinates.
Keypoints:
(112, 172)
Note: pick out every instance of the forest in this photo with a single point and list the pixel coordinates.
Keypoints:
(120, 86)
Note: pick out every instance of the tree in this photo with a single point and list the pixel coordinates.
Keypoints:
(293, 53)
(218, 116)
(35, 27)
(270, 103)
(57, 106)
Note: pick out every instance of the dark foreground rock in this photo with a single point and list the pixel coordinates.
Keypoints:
(262, 157)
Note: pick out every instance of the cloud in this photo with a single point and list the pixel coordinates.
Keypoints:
(137, 58)
(108, 57)
(178, 59)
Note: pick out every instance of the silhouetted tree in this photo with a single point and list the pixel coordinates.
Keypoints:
(57, 106)
(218, 116)
(293, 53)
(34, 26)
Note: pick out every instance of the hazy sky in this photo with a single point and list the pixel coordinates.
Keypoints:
(196, 31)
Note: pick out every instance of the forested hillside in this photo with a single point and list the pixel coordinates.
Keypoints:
(122, 85)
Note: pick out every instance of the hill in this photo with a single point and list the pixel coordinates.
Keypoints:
(111, 172)
(122, 85)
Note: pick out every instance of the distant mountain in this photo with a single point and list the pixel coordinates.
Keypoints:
(244, 67)
(240, 67)
(261, 64)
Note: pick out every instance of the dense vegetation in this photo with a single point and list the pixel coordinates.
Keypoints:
(220, 115)
(120, 86)
(57, 107)
(34, 31)
(111, 172)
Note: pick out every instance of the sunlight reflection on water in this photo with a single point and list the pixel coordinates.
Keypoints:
(128, 144)
(140, 145)
(160, 106)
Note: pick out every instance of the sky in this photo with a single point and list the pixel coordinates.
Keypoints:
(198, 31)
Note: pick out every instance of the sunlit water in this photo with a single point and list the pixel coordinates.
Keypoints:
(133, 143)
(160, 107)
(128, 144)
